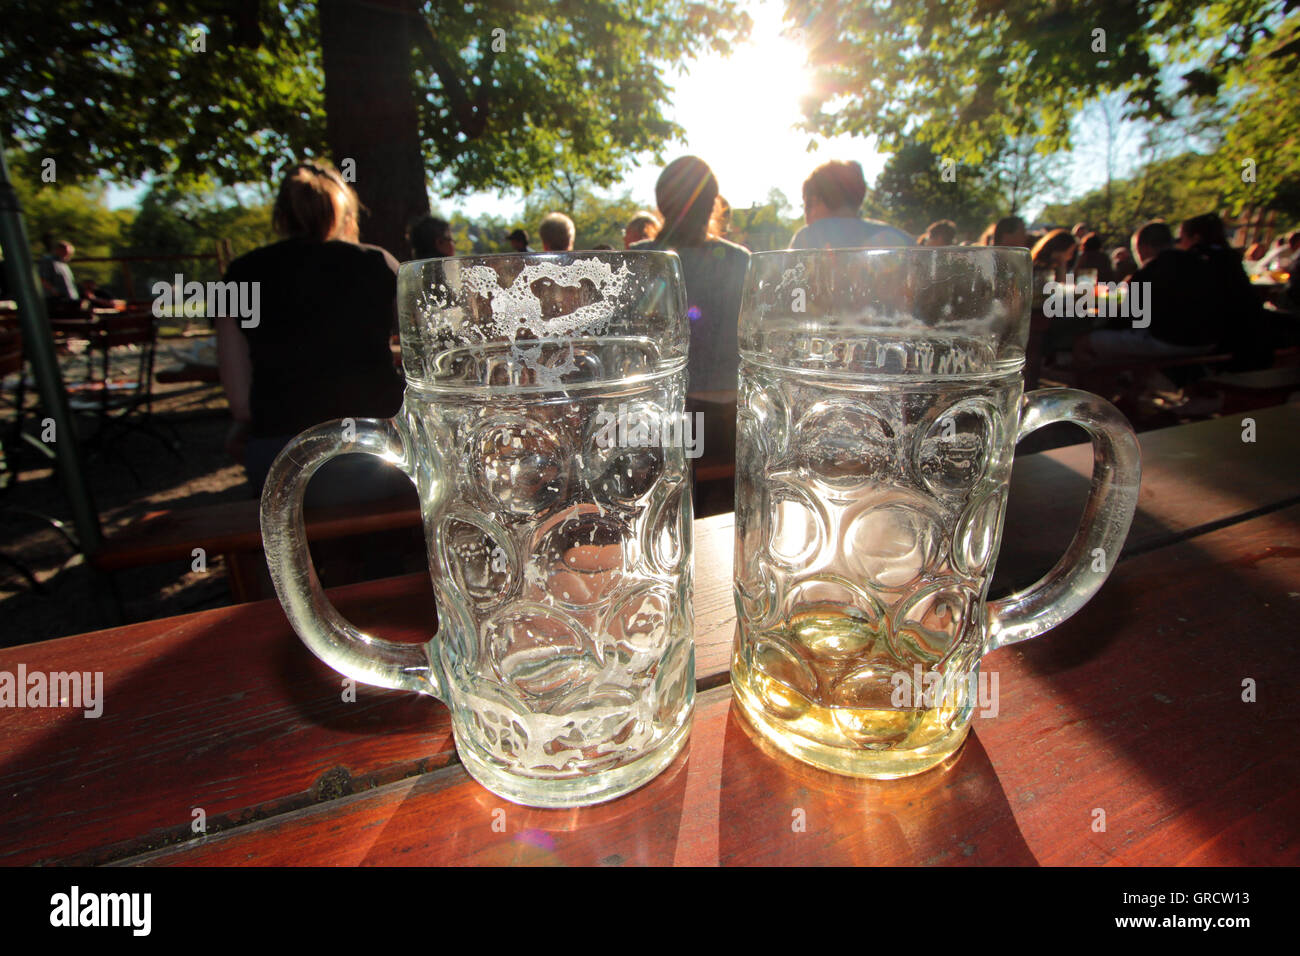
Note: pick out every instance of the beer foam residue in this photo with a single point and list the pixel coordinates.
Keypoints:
(517, 309)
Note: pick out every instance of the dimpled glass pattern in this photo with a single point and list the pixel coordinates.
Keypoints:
(560, 561)
(878, 412)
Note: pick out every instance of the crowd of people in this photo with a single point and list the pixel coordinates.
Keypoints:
(323, 351)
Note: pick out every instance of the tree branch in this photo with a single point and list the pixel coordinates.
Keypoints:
(472, 116)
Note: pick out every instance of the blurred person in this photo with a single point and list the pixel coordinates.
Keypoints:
(1122, 263)
(1055, 251)
(1281, 256)
(1256, 251)
(1080, 230)
(940, 233)
(519, 241)
(429, 236)
(319, 346)
(720, 222)
(64, 296)
(56, 275)
(832, 198)
(644, 225)
(714, 270)
(1206, 231)
(1010, 231)
(557, 233)
(1246, 333)
(1091, 257)
(986, 237)
(1182, 315)
(714, 273)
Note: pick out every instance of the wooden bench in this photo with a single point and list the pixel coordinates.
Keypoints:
(233, 529)
(1245, 391)
(1082, 372)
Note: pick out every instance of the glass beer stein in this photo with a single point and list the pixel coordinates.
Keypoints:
(559, 542)
(880, 404)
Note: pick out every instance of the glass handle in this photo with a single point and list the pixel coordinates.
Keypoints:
(1087, 562)
(327, 633)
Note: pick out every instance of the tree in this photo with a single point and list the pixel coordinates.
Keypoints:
(963, 75)
(1259, 160)
(917, 187)
(471, 96)
(1173, 189)
(767, 226)
(597, 220)
(1019, 171)
(78, 213)
(190, 217)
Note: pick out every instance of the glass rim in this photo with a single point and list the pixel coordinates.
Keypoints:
(541, 256)
(889, 250)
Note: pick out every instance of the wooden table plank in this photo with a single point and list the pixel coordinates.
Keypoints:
(223, 710)
(1150, 675)
(1193, 476)
(1132, 707)
(227, 711)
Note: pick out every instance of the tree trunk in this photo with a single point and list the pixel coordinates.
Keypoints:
(370, 115)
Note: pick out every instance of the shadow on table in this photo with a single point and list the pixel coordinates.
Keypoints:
(764, 809)
(776, 810)
(1152, 672)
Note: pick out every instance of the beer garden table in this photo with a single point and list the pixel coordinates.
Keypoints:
(1126, 735)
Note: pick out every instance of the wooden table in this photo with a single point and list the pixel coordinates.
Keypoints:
(1133, 707)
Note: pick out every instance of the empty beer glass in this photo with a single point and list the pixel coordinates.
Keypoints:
(559, 543)
(880, 404)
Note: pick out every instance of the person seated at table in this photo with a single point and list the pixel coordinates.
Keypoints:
(832, 198)
(1010, 231)
(940, 233)
(1055, 251)
(319, 348)
(1247, 336)
(61, 293)
(1182, 311)
(1206, 231)
(644, 225)
(557, 233)
(63, 297)
(1122, 264)
(1091, 257)
(986, 237)
(430, 238)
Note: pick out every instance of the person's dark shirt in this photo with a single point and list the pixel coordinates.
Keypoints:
(715, 277)
(1244, 332)
(1095, 260)
(1183, 305)
(320, 350)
